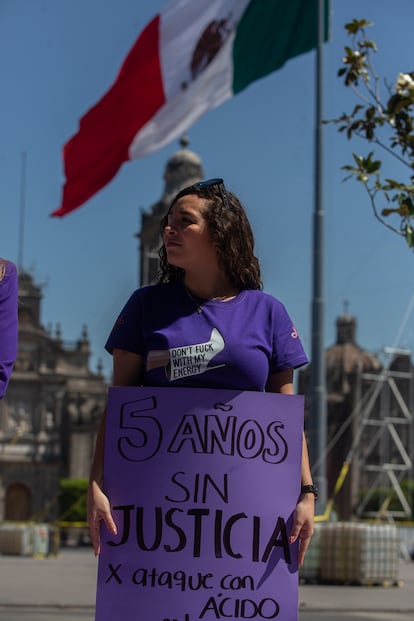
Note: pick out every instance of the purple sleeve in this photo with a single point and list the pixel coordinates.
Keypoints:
(127, 331)
(8, 322)
(287, 347)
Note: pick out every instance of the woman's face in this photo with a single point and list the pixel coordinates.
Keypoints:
(187, 240)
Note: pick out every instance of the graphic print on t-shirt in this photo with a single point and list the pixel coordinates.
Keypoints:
(187, 360)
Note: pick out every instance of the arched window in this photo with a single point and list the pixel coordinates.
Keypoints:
(18, 502)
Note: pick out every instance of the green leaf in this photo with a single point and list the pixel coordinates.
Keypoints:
(407, 205)
(358, 159)
(356, 25)
(370, 45)
(390, 184)
(370, 113)
(372, 167)
(357, 108)
(397, 103)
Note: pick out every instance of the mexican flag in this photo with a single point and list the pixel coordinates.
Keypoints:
(189, 59)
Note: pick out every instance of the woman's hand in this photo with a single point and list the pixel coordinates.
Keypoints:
(303, 524)
(128, 371)
(98, 509)
(282, 382)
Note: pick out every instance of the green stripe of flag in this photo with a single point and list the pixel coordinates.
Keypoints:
(269, 33)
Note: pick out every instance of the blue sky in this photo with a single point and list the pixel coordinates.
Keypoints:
(58, 57)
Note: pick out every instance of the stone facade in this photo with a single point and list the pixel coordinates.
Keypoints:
(50, 415)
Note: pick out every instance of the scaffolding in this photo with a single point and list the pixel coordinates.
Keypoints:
(384, 451)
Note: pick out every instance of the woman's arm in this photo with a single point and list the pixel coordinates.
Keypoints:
(305, 509)
(282, 382)
(128, 370)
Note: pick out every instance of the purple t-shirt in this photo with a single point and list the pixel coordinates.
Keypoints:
(8, 322)
(233, 344)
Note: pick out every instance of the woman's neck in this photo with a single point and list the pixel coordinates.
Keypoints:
(209, 288)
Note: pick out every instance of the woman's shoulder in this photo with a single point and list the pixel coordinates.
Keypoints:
(154, 292)
(262, 298)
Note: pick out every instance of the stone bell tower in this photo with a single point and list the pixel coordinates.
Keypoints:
(182, 169)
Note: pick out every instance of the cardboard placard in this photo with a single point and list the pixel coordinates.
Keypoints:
(203, 485)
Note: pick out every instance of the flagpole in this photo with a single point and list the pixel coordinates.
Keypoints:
(318, 416)
(22, 210)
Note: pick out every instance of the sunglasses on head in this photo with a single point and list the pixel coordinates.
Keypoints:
(210, 183)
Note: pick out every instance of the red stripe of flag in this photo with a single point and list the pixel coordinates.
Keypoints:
(93, 156)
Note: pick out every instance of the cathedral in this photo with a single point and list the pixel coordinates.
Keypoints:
(49, 417)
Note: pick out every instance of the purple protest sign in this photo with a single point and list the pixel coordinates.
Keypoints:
(203, 485)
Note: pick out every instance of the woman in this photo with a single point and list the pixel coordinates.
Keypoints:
(208, 300)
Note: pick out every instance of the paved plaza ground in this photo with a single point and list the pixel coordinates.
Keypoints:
(67, 583)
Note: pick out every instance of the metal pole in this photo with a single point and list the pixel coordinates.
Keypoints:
(22, 211)
(318, 417)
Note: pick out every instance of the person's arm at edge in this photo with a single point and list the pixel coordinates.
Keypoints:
(9, 295)
(282, 382)
(127, 371)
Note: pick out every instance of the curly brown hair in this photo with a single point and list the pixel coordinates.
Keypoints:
(230, 231)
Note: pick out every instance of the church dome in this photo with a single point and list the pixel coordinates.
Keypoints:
(346, 357)
(183, 168)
